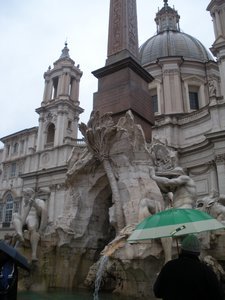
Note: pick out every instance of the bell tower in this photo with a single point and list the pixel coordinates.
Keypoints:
(217, 11)
(60, 110)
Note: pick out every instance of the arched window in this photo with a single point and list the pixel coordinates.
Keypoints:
(55, 82)
(50, 134)
(69, 124)
(8, 208)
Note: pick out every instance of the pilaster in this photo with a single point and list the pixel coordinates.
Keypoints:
(220, 165)
(217, 11)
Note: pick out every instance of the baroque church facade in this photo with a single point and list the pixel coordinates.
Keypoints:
(37, 157)
(186, 93)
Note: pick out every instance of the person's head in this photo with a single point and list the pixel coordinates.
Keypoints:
(3, 257)
(191, 245)
(28, 193)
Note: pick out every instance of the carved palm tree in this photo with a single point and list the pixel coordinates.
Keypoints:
(98, 134)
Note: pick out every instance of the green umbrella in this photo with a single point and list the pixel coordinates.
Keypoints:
(174, 222)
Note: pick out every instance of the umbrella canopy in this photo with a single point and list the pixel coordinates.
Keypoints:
(19, 259)
(174, 222)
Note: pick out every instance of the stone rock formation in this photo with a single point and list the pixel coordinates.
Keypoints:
(109, 189)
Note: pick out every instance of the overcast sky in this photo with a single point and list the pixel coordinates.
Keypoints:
(33, 33)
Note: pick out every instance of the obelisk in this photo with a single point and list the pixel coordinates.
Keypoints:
(123, 33)
(122, 82)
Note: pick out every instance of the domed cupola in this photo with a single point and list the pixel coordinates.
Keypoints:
(167, 19)
(170, 41)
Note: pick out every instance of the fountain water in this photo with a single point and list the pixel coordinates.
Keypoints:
(102, 264)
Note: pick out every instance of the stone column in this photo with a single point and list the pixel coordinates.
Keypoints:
(218, 24)
(59, 128)
(6, 152)
(220, 165)
(49, 90)
(75, 90)
(41, 135)
(45, 95)
(213, 176)
(214, 24)
(221, 62)
(167, 91)
(217, 11)
(61, 85)
(51, 205)
(159, 96)
(66, 77)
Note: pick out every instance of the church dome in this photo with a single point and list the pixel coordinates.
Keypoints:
(170, 41)
(173, 43)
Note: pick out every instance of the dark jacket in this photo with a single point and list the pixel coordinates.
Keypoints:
(187, 278)
(8, 281)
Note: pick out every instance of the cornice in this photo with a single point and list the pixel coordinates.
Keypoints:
(203, 145)
(59, 102)
(16, 134)
(128, 62)
(50, 171)
(215, 136)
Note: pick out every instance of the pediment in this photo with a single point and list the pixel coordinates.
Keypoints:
(194, 79)
(220, 39)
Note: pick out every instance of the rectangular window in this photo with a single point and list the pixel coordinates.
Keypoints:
(1, 212)
(8, 216)
(7, 150)
(193, 98)
(5, 224)
(13, 170)
(155, 103)
(15, 148)
(22, 146)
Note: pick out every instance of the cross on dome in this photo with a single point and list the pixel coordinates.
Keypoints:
(65, 52)
(165, 2)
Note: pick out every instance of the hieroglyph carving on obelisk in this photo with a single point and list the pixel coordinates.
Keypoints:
(123, 33)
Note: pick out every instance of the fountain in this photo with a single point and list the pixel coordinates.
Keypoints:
(108, 187)
(115, 166)
(102, 265)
